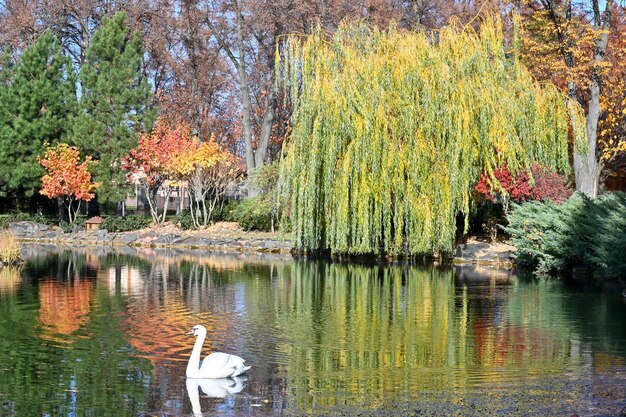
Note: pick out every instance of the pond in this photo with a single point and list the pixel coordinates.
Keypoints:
(102, 333)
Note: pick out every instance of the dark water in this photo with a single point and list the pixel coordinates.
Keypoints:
(102, 334)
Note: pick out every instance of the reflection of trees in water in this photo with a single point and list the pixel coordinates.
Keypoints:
(317, 334)
(377, 334)
(10, 279)
(90, 373)
(63, 308)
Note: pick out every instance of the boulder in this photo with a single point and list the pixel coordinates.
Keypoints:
(167, 238)
(127, 238)
(27, 228)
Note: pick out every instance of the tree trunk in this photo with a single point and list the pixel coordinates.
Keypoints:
(266, 127)
(245, 94)
(586, 167)
(62, 211)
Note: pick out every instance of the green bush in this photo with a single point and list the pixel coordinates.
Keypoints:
(255, 213)
(554, 237)
(183, 220)
(224, 212)
(68, 227)
(125, 224)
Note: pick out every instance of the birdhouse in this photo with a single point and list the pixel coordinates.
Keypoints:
(93, 223)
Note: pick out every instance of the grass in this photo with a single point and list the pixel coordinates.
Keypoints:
(9, 249)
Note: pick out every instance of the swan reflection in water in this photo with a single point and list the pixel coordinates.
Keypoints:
(214, 388)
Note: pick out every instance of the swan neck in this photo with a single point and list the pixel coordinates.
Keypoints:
(194, 360)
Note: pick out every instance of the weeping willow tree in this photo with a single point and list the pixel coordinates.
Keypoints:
(392, 129)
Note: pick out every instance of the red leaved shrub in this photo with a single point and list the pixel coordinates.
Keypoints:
(549, 185)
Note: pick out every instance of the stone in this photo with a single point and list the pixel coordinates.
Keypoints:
(127, 238)
(52, 234)
(27, 228)
(77, 229)
(167, 238)
(101, 233)
(196, 241)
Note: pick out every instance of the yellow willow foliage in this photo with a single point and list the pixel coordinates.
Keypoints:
(391, 130)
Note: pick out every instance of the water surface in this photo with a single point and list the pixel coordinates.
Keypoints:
(102, 334)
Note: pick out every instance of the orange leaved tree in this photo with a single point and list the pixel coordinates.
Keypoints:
(152, 164)
(208, 170)
(66, 177)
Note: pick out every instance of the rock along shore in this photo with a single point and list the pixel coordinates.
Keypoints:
(37, 233)
(220, 239)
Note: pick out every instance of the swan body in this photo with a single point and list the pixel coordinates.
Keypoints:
(216, 365)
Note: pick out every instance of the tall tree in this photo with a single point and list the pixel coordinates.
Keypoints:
(36, 108)
(114, 101)
(568, 43)
(391, 132)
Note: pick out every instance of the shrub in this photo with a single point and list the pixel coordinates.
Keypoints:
(224, 212)
(579, 232)
(125, 224)
(9, 249)
(548, 185)
(68, 227)
(255, 213)
(184, 220)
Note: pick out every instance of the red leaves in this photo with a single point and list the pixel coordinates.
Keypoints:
(153, 161)
(548, 185)
(66, 177)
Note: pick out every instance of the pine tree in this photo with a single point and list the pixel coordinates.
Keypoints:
(6, 73)
(38, 100)
(114, 103)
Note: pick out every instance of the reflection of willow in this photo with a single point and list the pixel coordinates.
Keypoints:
(353, 324)
(379, 334)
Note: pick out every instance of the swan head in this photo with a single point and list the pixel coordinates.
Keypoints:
(197, 330)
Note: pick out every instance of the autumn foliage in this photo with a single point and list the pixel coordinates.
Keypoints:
(153, 164)
(169, 157)
(542, 183)
(66, 177)
(208, 169)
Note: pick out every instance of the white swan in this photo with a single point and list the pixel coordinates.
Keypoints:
(216, 365)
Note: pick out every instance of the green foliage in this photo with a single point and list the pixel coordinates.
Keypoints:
(265, 178)
(35, 108)
(254, 214)
(125, 224)
(184, 220)
(391, 131)
(68, 227)
(224, 212)
(114, 103)
(554, 237)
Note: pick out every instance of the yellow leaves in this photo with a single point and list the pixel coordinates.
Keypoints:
(391, 132)
(199, 156)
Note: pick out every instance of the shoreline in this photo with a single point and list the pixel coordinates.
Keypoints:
(222, 239)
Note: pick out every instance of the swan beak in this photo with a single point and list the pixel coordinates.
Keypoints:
(189, 333)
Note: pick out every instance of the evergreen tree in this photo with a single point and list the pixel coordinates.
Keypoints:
(6, 73)
(37, 98)
(114, 103)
